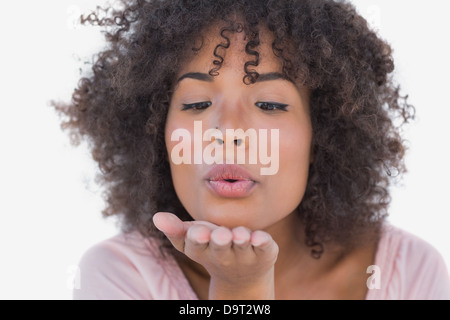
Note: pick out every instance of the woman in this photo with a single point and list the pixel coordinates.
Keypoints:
(182, 88)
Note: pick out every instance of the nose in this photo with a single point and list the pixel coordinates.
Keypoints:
(231, 115)
(237, 142)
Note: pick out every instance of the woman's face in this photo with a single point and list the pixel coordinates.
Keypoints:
(255, 198)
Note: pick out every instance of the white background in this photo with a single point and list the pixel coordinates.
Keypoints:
(49, 203)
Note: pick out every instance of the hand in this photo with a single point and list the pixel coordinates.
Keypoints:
(239, 261)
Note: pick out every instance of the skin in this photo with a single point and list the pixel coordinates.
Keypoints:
(252, 247)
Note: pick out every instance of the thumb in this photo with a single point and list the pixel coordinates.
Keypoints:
(174, 229)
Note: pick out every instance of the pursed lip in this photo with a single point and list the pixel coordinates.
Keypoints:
(230, 181)
(229, 172)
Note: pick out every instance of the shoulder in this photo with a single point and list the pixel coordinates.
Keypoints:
(128, 266)
(410, 268)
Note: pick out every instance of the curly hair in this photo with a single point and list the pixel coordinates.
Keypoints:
(121, 107)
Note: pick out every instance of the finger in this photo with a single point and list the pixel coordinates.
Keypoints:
(172, 227)
(263, 243)
(198, 234)
(197, 240)
(241, 238)
(221, 239)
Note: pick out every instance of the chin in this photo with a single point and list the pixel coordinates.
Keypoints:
(230, 218)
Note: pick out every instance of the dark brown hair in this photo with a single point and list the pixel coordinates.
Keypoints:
(120, 108)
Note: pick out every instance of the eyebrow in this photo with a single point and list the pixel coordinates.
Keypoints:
(208, 78)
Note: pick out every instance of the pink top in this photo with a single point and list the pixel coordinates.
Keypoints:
(129, 266)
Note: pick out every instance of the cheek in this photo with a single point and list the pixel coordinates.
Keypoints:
(181, 173)
(295, 147)
(183, 179)
(186, 177)
(294, 152)
(182, 133)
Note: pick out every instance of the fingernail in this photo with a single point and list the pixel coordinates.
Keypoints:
(222, 236)
(259, 238)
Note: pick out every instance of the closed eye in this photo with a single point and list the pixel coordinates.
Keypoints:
(196, 106)
(271, 106)
(266, 106)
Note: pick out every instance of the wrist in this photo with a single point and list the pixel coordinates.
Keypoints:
(259, 289)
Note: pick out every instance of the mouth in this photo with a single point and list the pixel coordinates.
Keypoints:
(230, 181)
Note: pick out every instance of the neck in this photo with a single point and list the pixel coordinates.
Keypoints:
(297, 268)
(295, 255)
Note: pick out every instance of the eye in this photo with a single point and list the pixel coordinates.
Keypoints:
(196, 106)
(271, 106)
